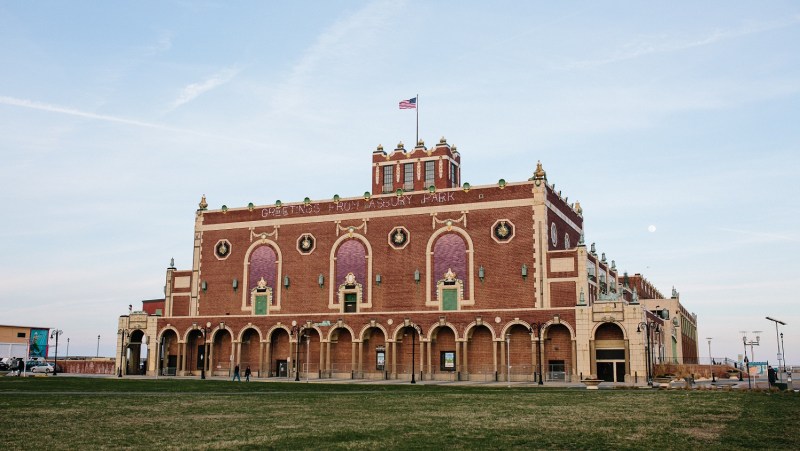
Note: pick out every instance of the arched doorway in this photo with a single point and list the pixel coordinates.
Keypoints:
(521, 354)
(221, 357)
(279, 349)
(195, 352)
(557, 353)
(308, 354)
(170, 350)
(479, 355)
(610, 354)
(341, 353)
(443, 356)
(250, 352)
(407, 350)
(374, 363)
(136, 353)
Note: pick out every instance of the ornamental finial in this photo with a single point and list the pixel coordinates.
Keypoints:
(203, 204)
(539, 174)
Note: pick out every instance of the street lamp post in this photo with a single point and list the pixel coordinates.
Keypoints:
(54, 334)
(204, 331)
(780, 357)
(537, 326)
(123, 333)
(67, 357)
(752, 343)
(298, 333)
(711, 360)
(649, 327)
(98, 346)
(413, 352)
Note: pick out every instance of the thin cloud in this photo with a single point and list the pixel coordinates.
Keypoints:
(760, 236)
(25, 103)
(639, 49)
(194, 90)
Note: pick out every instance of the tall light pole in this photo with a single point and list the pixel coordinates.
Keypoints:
(98, 346)
(752, 343)
(54, 334)
(67, 357)
(537, 326)
(711, 359)
(413, 352)
(649, 327)
(780, 357)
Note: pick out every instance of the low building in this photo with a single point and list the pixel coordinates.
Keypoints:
(24, 341)
(422, 276)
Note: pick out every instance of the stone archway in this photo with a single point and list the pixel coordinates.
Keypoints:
(278, 355)
(250, 352)
(170, 349)
(136, 353)
(194, 356)
(520, 354)
(374, 354)
(340, 353)
(610, 353)
(221, 355)
(407, 354)
(444, 357)
(557, 353)
(480, 354)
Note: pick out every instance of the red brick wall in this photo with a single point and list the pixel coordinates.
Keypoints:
(558, 344)
(562, 294)
(503, 286)
(479, 351)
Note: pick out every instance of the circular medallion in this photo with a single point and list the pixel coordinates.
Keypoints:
(306, 244)
(222, 249)
(553, 234)
(398, 237)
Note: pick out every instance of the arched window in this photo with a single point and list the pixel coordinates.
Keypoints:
(263, 270)
(351, 274)
(450, 276)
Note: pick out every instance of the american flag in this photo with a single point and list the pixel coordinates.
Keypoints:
(408, 104)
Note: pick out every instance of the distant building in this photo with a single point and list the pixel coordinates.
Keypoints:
(23, 341)
(422, 273)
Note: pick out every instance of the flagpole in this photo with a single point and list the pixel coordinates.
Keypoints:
(417, 108)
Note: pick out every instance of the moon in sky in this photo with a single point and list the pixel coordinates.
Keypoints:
(651, 228)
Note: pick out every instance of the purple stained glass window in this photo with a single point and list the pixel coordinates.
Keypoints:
(351, 257)
(450, 252)
(262, 264)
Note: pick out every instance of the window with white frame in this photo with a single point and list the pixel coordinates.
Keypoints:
(388, 173)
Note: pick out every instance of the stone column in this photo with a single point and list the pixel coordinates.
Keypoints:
(394, 359)
(430, 368)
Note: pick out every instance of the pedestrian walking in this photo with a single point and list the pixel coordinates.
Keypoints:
(771, 375)
(247, 374)
(236, 374)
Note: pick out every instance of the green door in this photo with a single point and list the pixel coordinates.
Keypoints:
(450, 300)
(350, 303)
(261, 304)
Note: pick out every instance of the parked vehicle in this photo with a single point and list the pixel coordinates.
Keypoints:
(42, 367)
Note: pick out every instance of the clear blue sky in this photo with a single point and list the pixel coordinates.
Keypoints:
(115, 117)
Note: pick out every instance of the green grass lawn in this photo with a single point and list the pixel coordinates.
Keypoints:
(91, 413)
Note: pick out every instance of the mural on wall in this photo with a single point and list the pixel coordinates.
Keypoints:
(38, 343)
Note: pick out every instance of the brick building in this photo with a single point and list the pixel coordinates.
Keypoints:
(423, 274)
